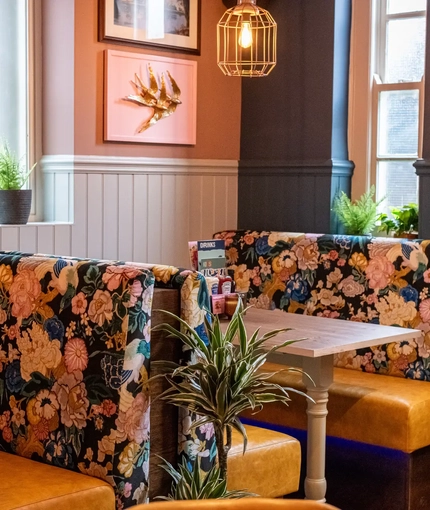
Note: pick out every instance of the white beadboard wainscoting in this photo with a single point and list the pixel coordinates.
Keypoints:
(139, 209)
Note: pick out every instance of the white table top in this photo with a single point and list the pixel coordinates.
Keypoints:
(322, 336)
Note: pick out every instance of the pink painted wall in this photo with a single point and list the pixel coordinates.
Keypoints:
(218, 97)
(57, 42)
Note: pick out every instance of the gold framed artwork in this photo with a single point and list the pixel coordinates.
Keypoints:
(170, 24)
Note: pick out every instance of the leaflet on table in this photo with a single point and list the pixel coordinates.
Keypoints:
(208, 256)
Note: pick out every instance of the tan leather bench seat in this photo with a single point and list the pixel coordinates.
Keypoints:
(26, 484)
(380, 410)
(270, 466)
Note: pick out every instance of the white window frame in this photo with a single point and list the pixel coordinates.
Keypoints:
(367, 71)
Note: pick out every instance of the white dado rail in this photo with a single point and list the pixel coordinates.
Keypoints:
(141, 209)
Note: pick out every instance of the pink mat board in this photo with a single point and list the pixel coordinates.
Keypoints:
(122, 119)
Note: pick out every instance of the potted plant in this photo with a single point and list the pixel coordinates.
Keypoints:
(403, 223)
(359, 216)
(222, 380)
(15, 203)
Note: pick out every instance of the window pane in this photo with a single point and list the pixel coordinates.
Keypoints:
(398, 123)
(396, 6)
(405, 50)
(13, 76)
(397, 181)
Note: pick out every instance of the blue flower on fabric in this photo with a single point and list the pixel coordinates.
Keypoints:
(14, 381)
(343, 241)
(201, 331)
(58, 452)
(297, 289)
(55, 329)
(408, 293)
(417, 371)
(262, 246)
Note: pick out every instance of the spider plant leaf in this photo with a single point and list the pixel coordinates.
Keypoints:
(238, 425)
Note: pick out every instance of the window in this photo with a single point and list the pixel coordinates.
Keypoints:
(397, 99)
(386, 96)
(17, 81)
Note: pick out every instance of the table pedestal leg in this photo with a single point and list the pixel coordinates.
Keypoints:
(321, 371)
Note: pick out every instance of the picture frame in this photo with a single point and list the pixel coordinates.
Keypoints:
(167, 24)
(123, 118)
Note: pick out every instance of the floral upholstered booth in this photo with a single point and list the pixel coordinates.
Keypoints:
(378, 280)
(74, 357)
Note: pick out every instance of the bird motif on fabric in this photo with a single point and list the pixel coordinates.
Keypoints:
(156, 96)
(413, 257)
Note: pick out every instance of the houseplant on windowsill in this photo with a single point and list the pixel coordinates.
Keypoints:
(221, 381)
(15, 203)
(403, 223)
(358, 216)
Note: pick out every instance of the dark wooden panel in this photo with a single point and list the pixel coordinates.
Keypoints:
(423, 171)
(164, 417)
(290, 196)
(294, 122)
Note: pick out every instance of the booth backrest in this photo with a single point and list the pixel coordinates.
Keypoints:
(379, 280)
(74, 358)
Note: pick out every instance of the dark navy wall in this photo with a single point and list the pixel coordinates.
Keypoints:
(294, 122)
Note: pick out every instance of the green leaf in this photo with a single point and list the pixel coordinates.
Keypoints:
(35, 384)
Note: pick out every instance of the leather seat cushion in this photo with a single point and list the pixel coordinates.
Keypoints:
(30, 485)
(386, 411)
(270, 466)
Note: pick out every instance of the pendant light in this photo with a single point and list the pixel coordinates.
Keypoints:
(246, 40)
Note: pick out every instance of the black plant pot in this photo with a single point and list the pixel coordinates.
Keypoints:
(15, 206)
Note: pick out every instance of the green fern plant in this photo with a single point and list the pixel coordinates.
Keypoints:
(188, 484)
(13, 175)
(359, 216)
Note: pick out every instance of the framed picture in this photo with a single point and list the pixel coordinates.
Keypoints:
(172, 24)
(149, 98)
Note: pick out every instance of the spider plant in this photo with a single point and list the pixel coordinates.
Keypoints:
(225, 379)
(190, 485)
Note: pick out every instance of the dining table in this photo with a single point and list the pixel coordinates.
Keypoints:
(317, 340)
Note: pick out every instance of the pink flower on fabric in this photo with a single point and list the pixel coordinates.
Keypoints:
(101, 307)
(134, 423)
(24, 291)
(379, 272)
(75, 355)
(108, 407)
(72, 397)
(425, 310)
(136, 290)
(7, 434)
(114, 275)
(127, 490)
(79, 304)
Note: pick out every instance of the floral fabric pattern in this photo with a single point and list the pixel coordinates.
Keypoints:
(195, 306)
(379, 280)
(74, 361)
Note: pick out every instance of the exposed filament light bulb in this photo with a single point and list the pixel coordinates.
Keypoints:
(245, 36)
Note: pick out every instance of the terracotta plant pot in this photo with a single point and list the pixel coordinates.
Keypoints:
(15, 206)
(407, 235)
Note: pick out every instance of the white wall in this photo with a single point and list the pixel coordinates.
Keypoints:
(138, 209)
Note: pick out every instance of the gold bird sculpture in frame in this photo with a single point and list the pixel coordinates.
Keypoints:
(156, 96)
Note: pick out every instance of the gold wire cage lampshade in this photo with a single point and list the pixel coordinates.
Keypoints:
(247, 40)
